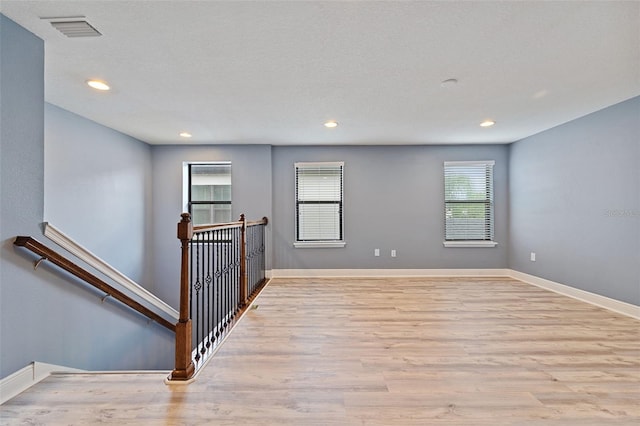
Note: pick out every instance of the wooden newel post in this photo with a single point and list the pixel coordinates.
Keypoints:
(184, 368)
(243, 263)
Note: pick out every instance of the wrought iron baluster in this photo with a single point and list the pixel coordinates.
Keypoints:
(219, 285)
(248, 260)
(234, 272)
(254, 257)
(197, 286)
(207, 298)
(229, 283)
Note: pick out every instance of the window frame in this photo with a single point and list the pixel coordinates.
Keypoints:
(319, 243)
(190, 203)
(488, 202)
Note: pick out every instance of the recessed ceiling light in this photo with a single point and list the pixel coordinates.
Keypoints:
(98, 85)
(487, 123)
(331, 124)
(185, 135)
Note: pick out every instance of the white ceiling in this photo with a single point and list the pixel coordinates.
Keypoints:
(272, 72)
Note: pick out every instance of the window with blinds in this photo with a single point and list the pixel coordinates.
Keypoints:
(319, 204)
(468, 202)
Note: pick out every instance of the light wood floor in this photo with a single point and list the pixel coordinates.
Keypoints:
(382, 352)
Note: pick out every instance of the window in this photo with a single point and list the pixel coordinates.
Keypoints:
(210, 193)
(468, 203)
(319, 205)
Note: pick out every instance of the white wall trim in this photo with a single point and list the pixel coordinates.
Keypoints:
(473, 244)
(305, 273)
(84, 254)
(28, 376)
(594, 299)
(319, 244)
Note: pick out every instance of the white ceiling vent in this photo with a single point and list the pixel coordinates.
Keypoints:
(75, 28)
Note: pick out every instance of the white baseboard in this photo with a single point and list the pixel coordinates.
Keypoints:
(308, 273)
(594, 299)
(28, 376)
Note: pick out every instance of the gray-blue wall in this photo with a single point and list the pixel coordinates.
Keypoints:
(45, 315)
(98, 191)
(394, 199)
(250, 193)
(575, 202)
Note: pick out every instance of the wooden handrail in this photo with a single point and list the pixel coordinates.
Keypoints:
(263, 221)
(57, 259)
(228, 225)
(217, 226)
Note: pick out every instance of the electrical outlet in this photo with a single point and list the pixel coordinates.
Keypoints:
(533, 257)
(393, 253)
(376, 252)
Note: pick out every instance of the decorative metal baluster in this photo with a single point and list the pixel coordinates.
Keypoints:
(194, 287)
(255, 257)
(236, 280)
(191, 274)
(223, 295)
(201, 293)
(262, 264)
(245, 293)
(235, 285)
(252, 258)
(214, 292)
(197, 286)
(241, 300)
(227, 281)
(249, 260)
(229, 277)
(219, 285)
(209, 289)
(242, 296)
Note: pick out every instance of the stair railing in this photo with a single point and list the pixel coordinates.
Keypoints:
(222, 270)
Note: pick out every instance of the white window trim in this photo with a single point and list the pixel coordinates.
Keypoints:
(320, 244)
(475, 244)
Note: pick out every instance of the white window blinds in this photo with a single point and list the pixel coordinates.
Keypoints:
(319, 202)
(468, 200)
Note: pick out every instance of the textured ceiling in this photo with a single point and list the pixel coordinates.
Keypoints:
(273, 72)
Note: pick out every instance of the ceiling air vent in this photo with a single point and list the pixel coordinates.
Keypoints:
(77, 28)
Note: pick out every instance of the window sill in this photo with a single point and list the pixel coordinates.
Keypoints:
(476, 244)
(319, 244)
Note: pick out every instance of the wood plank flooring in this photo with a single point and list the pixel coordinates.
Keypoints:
(387, 351)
